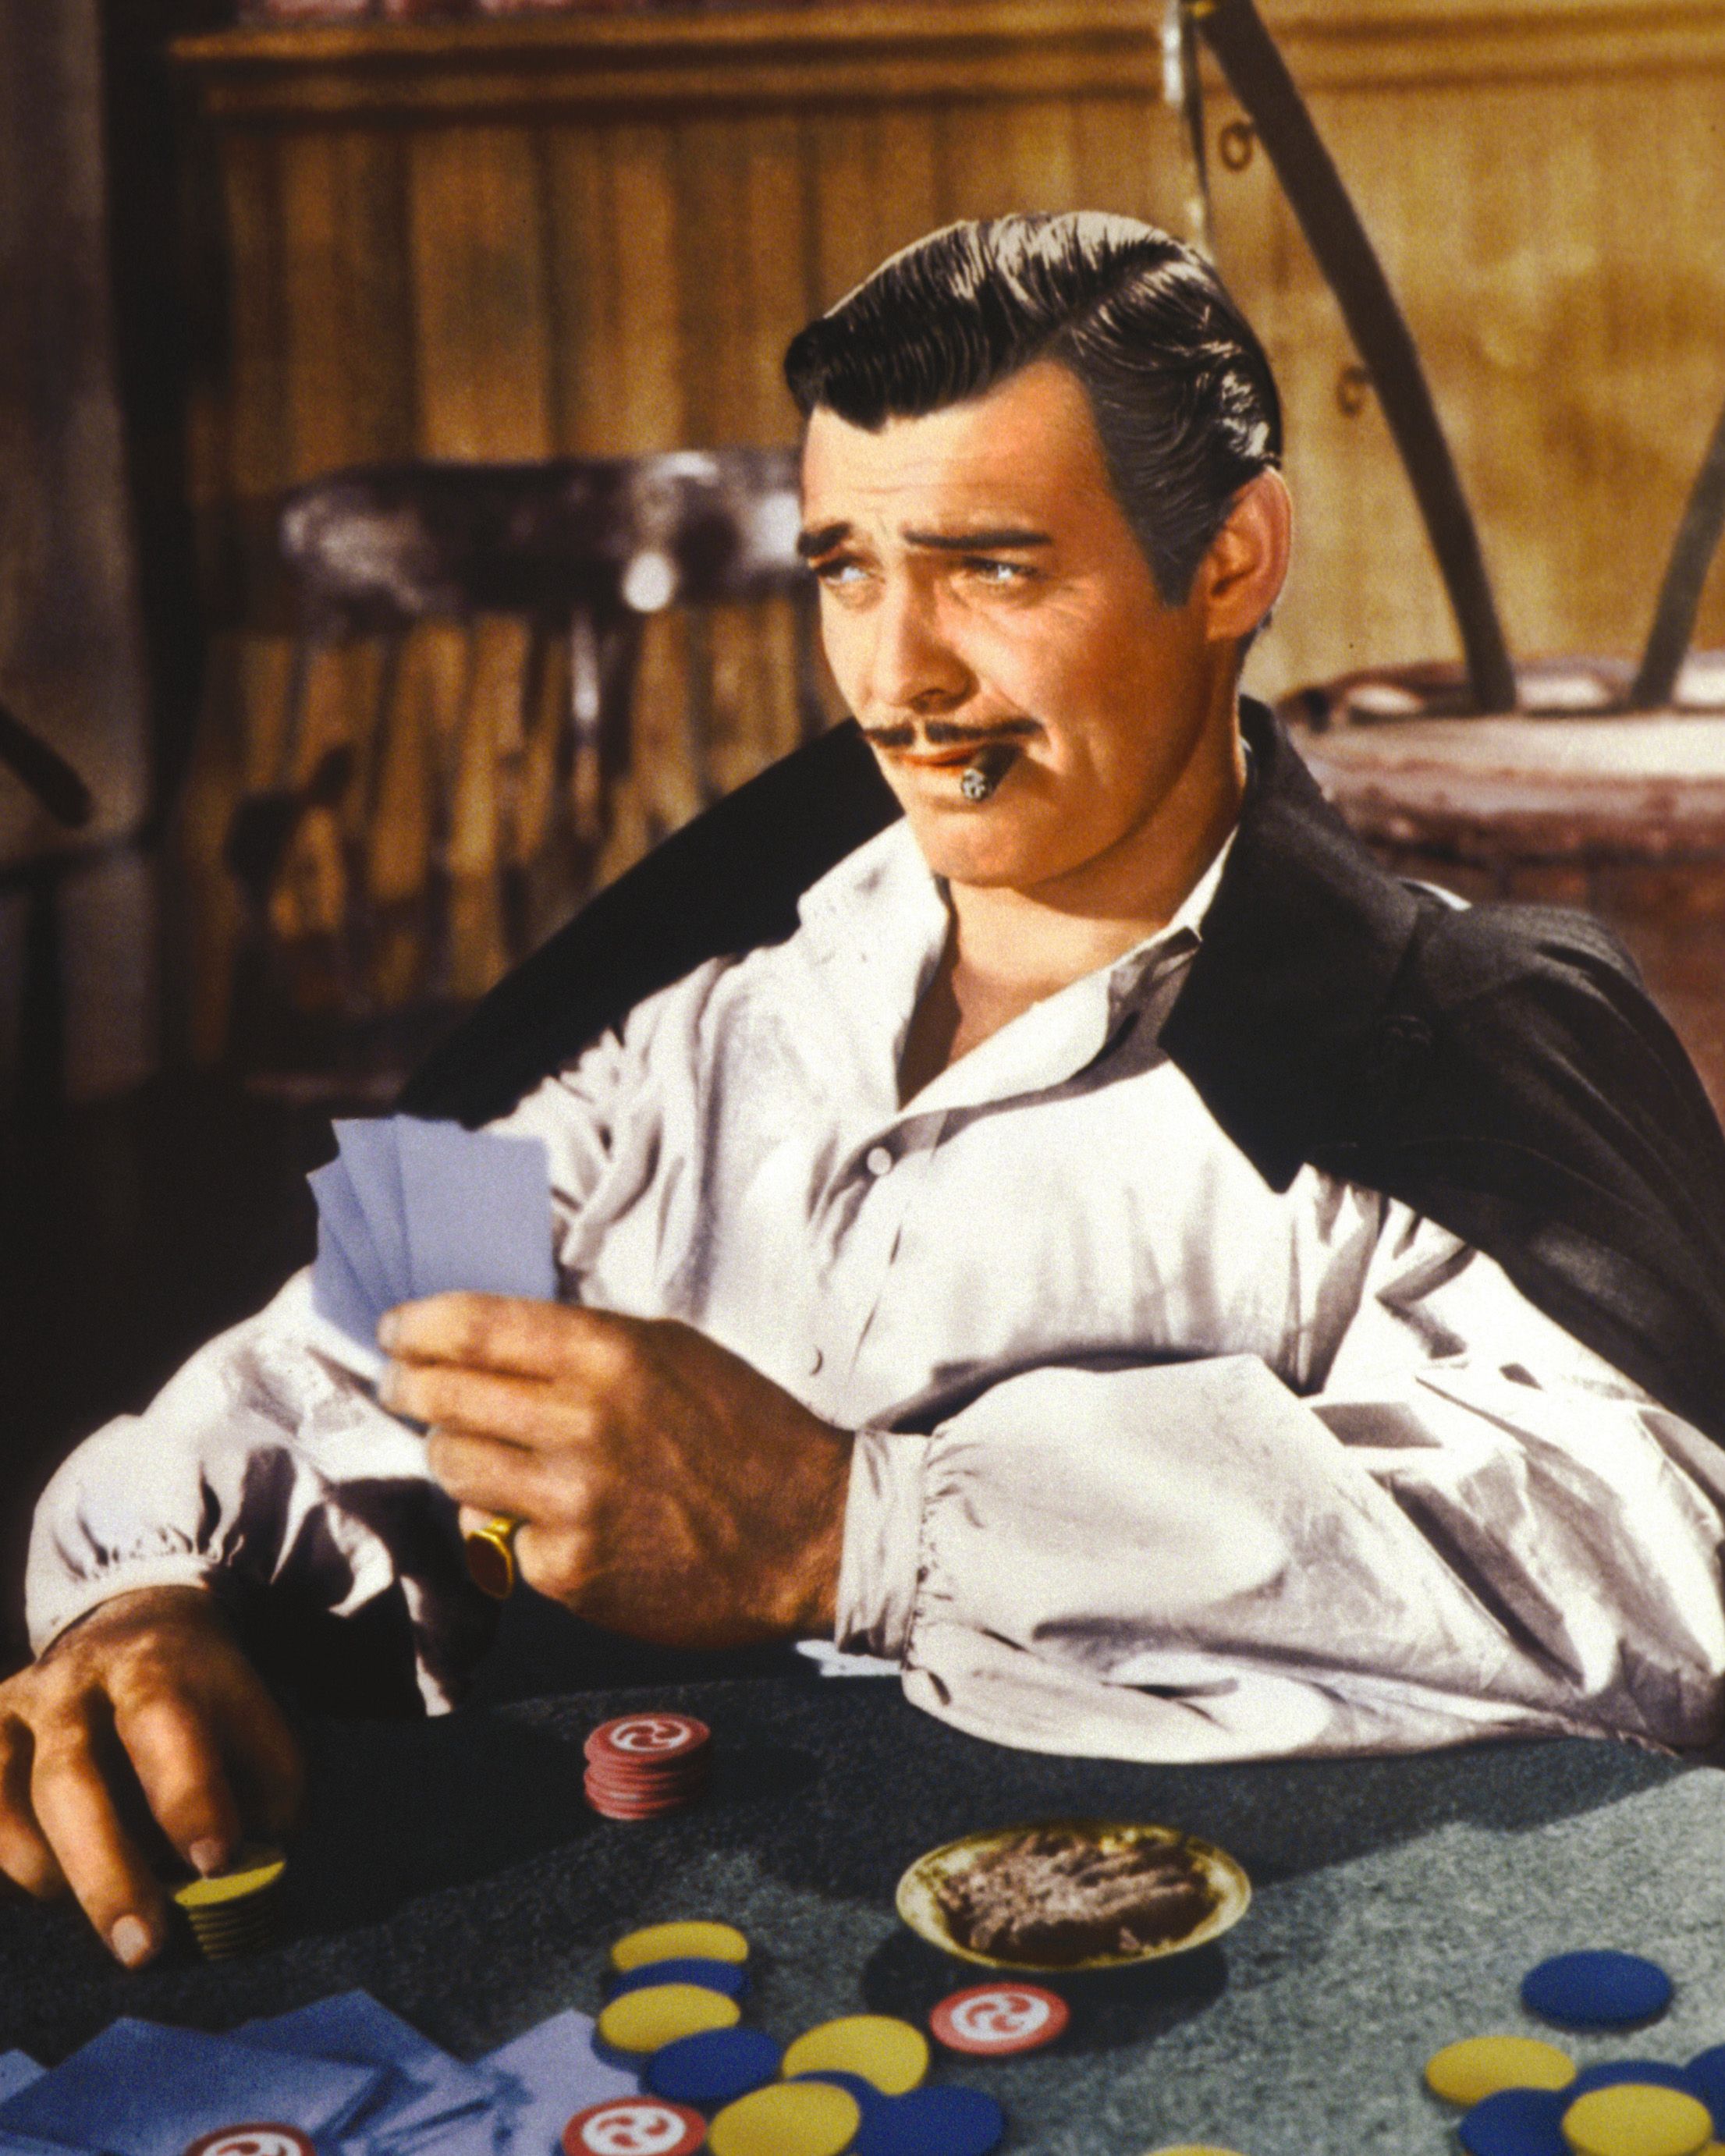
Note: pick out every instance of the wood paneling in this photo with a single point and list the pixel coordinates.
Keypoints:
(593, 233)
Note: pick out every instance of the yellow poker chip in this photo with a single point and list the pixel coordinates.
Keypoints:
(1635, 2119)
(883, 2050)
(693, 1941)
(1479, 2066)
(791, 2118)
(659, 2013)
(255, 1870)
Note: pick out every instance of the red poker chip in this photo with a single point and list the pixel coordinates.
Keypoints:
(649, 1740)
(634, 2126)
(988, 2020)
(259, 2138)
(633, 1808)
(625, 1785)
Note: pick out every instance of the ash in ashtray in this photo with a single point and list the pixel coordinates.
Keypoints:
(1055, 1896)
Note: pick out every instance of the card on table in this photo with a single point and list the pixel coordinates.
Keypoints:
(422, 2088)
(18, 2070)
(551, 2073)
(143, 2089)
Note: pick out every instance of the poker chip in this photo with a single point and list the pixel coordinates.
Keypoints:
(883, 2050)
(730, 1976)
(690, 1939)
(1598, 1989)
(634, 2126)
(1636, 2119)
(791, 2118)
(1479, 2066)
(659, 2013)
(1516, 2121)
(1706, 2078)
(1654, 2073)
(237, 1910)
(642, 1766)
(715, 2066)
(267, 2138)
(868, 2096)
(989, 2020)
(947, 2121)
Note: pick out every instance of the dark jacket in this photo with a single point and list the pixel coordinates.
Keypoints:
(1499, 1069)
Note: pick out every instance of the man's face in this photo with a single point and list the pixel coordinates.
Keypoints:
(979, 583)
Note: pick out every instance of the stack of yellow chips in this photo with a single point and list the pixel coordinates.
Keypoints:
(237, 1910)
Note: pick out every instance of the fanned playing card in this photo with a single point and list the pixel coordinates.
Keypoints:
(143, 2089)
(412, 1209)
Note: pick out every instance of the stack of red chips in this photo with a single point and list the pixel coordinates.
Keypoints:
(641, 1765)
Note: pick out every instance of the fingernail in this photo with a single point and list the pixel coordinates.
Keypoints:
(131, 1942)
(206, 1856)
(389, 1330)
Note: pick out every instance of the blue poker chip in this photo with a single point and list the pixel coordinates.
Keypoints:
(1516, 2121)
(1706, 2077)
(867, 2097)
(730, 1976)
(1600, 1989)
(1658, 2073)
(945, 2120)
(716, 2066)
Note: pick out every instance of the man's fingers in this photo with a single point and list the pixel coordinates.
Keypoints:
(179, 1765)
(102, 1867)
(524, 1412)
(24, 1854)
(509, 1334)
(494, 1477)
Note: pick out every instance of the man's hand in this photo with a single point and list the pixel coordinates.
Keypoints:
(669, 1491)
(158, 1675)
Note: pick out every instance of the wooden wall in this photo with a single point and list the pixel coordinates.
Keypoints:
(595, 233)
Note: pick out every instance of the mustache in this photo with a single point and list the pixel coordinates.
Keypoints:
(943, 733)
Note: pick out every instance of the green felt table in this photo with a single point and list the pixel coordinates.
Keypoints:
(452, 1868)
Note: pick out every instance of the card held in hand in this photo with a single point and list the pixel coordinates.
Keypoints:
(412, 1209)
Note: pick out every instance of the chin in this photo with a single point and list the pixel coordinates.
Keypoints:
(987, 846)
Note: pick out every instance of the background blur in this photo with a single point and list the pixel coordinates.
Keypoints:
(236, 256)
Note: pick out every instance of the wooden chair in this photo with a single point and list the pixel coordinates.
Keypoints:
(477, 726)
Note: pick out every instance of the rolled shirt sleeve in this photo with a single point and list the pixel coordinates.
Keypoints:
(263, 1467)
(1474, 1528)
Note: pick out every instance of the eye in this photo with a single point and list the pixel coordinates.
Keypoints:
(990, 569)
(840, 572)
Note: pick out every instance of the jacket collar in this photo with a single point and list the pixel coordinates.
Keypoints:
(1302, 943)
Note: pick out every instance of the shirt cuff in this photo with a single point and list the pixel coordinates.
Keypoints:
(55, 1609)
(881, 1568)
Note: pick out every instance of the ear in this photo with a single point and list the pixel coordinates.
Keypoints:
(1242, 577)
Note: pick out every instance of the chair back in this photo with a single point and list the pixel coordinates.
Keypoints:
(466, 717)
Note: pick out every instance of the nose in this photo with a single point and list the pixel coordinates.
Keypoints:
(914, 667)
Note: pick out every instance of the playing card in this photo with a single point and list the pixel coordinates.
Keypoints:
(342, 1215)
(478, 1210)
(18, 2070)
(339, 1298)
(373, 1166)
(142, 2089)
(549, 2075)
(422, 2086)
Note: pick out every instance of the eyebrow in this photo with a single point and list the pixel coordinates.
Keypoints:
(811, 545)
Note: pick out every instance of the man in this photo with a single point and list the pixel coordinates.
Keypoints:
(1011, 1267)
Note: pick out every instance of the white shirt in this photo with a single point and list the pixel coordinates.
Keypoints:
(1154, 1462)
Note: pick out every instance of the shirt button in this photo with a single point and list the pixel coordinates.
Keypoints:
(815, 1359)
(877, 1160)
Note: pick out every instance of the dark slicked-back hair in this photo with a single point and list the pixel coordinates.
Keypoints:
(1179, 387)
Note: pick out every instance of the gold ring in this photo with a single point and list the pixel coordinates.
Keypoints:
(491, 1556)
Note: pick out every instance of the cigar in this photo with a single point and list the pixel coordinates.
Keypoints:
(986, 769)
